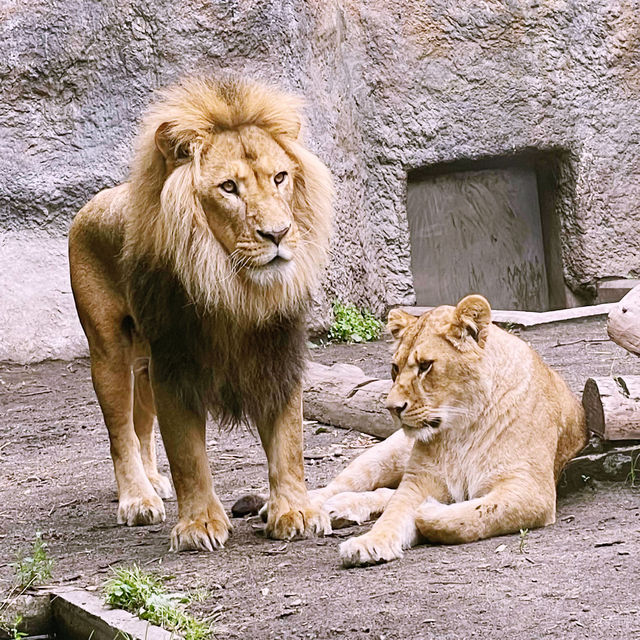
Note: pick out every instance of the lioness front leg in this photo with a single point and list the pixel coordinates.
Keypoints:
(379, 466)
(396, 529)
(510, 506)
(202, 521)
(289, 510)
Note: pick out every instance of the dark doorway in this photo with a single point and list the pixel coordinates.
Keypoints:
(485, 228)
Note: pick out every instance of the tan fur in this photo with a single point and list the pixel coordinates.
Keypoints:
(486, 430)
(250, 256)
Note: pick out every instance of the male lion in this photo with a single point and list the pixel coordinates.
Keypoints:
(486, 430)
(196, 275)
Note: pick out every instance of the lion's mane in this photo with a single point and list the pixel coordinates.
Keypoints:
(223, 342)
(167, 224)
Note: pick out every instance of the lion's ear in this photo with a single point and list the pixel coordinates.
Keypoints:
(293, 126)
(473, 317)
(398, 322)
(169, 145)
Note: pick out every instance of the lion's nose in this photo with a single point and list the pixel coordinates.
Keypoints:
(274, 235)
(396, 407)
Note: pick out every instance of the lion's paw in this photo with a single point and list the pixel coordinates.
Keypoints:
(368, 549)
(140, 510)
(346, 509)
(199, 535)
(162, 486)
(298, 523)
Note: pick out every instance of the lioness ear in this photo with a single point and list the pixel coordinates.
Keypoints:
(473, 317)
(398, 322)
(169, 146)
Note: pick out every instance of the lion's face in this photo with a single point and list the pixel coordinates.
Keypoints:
(245, 186)
(436, 369)
(225, 194)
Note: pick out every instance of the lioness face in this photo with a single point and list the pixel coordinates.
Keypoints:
(245, 185)
(436, 369)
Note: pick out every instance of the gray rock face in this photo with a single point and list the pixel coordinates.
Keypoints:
(390, 87)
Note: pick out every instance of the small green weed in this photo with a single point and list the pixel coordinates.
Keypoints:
(11, 628)
(30, 571)
(35, 568)
(633, 472)
(351, 324)
(524, 533)
(144, 595)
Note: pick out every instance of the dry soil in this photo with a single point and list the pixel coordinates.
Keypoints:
(575, 579)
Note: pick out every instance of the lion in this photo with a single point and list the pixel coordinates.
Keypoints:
(486, 429)
(191, 282)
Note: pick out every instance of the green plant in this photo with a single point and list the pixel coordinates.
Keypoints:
(35, 568)
(351, 324)
(523, 540)
(11, 628)
(140, 593)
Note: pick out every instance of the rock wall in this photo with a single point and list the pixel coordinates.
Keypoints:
(390, 87)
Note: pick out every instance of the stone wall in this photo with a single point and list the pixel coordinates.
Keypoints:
(390, 87)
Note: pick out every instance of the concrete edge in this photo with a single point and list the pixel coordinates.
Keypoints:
(80, 614)
(534, 318)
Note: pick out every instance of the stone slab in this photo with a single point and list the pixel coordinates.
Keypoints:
(79, 614)
(534, 318)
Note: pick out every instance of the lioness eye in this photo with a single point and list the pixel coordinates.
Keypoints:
(229, 186)
(279, 177)
(394, 371)
(425, 366)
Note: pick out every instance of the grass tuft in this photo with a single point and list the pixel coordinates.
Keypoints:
(524, 533)
(144, 595)
(30, 570)
(35, 568)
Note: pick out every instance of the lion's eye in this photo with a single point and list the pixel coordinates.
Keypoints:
(279, 177)
(229, 186)
(394, 371)
(425, 366)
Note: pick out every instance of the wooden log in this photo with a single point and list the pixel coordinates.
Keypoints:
(612, 407)
(342, 395)
(623, 324)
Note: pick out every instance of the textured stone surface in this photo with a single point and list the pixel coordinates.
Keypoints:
(390, 87)
(37, 316)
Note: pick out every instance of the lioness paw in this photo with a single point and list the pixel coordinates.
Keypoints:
(346, 509)
(366, 549)
(199, 535)
(135, 511)
(297, 523)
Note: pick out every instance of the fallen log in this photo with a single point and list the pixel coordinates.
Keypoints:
(623, 324)
(342, 395)
(612, 407)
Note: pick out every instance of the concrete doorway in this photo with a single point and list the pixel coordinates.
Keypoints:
(484, 229)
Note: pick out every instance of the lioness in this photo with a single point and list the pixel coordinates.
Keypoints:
(486, 430)
(195, 275)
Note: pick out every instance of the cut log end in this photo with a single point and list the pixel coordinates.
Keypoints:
(612, 407)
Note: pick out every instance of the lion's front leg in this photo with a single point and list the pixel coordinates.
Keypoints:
(202, 521)
(290, 512)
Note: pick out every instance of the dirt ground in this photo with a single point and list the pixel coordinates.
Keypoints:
(575, 580)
